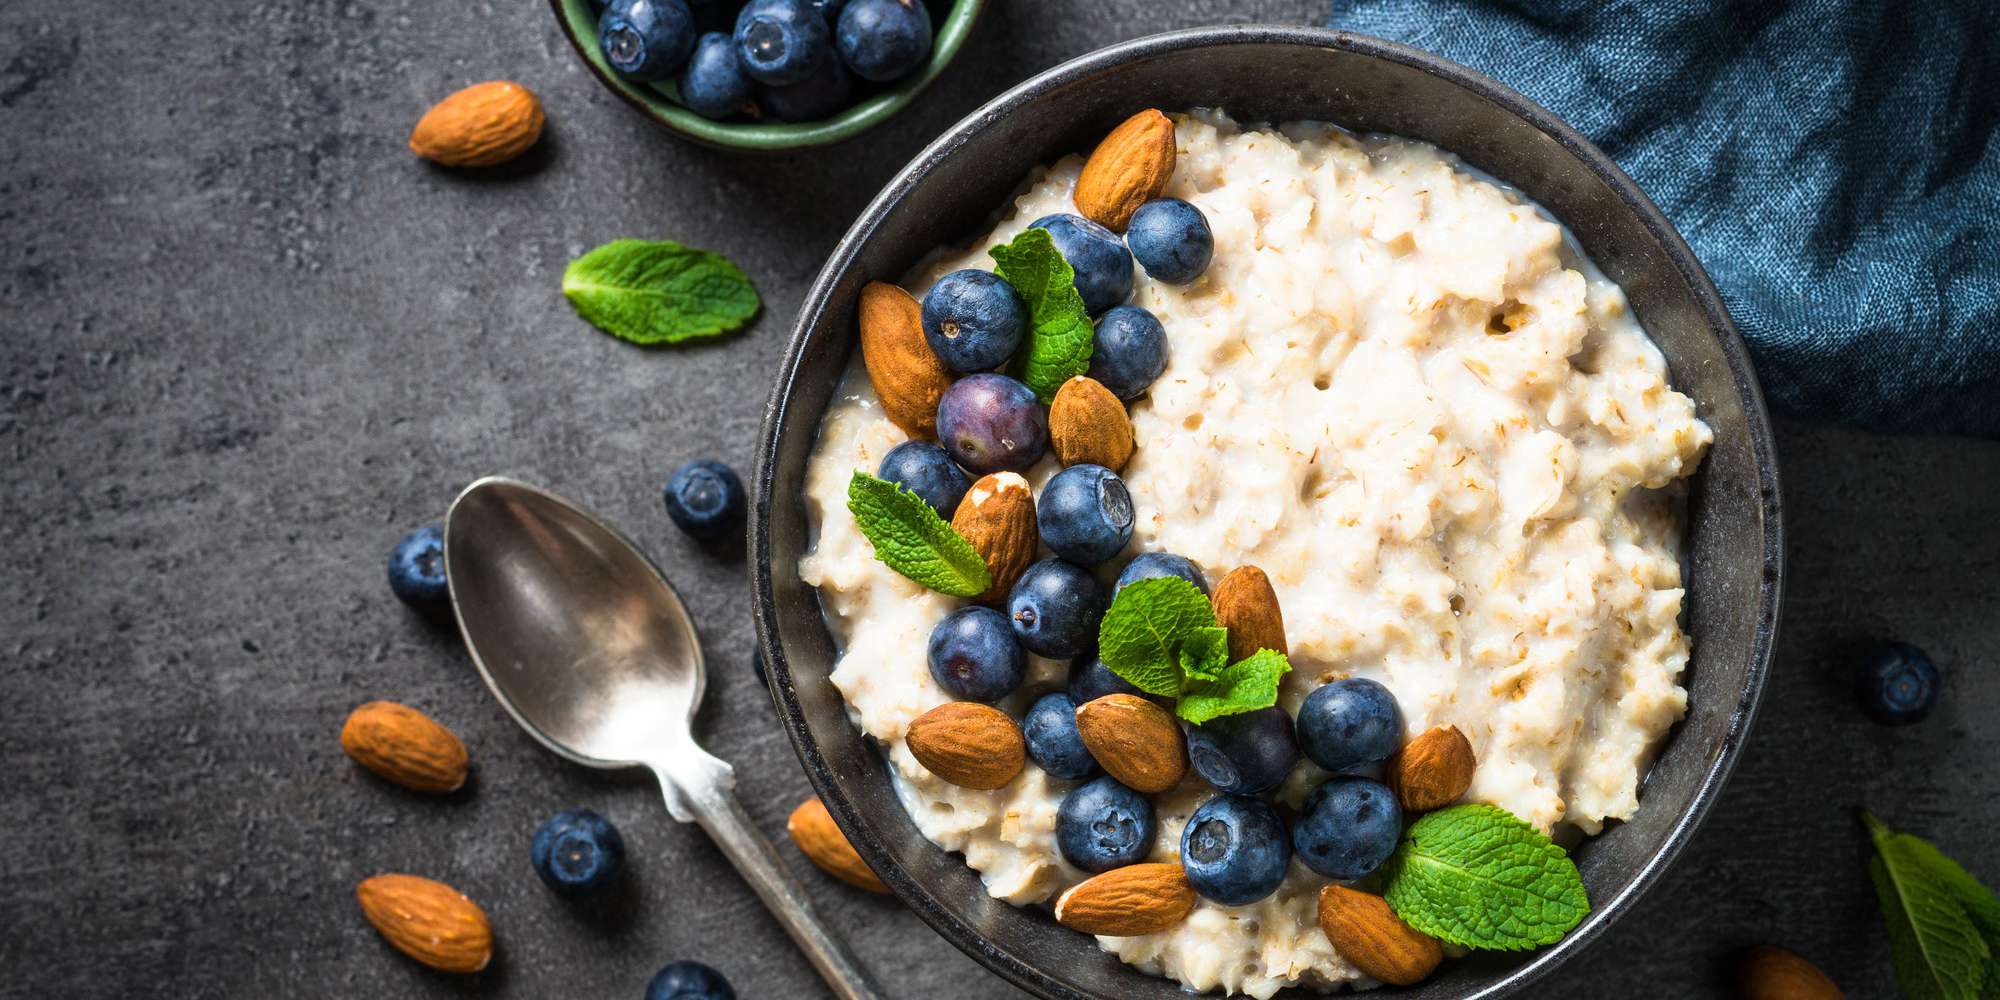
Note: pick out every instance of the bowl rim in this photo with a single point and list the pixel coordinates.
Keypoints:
(1014, 968)
(768, 137)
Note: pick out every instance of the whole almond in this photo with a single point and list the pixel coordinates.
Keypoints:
(998, 517)
(481, 126)
(405, 746)
(820, 840)
(1136, 741)
(1087, 423)
(1123, 902)
(1776, 974)
(428, 921)
(907, 374)
(1369, 934)
(1246, 605)
(1432, 771)
(1129, 168)
(968, 744)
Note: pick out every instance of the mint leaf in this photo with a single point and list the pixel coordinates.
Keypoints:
(1141, 635)
(1980, 903)
(913, 540)
(1059, 333)
(1480, 877)
(1244, 686)
(659, 292)
(1939, 951)
(1204, 653)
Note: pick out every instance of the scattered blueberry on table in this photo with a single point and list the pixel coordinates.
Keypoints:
(973, 320)
(925, 469)
(1244, 754)
(688, 980)
(1053, 741)
(416, 569)
(705, 499)
(974, 655)
(1349, 723)
(577, 852)
(1102, 265)
(1171, 240)
(1085, 514)
(646, 40)
(1348, 828)
(1104, 825)
(992, 423)
(1129, 351)
(1898, 684)
(1235, 849)
(1055, 608)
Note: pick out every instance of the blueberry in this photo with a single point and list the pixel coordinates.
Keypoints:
(714, 85)
(1898, 684)
(992, 423)
(1090, 679)
(884, 40)
(704, 498)
(1053, 742)
(928, 471)
(1103, 268)
(1244, 754)
(1128, 352)
(1171, 240)
(781, 41)
(973, 319)
(646, 40)
(973, 655)
(577, 852)
(1348, 723)
(1148, 565)
(1055, 607)
(1104, 825)
(1085, 514)
(1235, 849)
(689, 981)
(1348, 828)
(822, 93)
(416, 569)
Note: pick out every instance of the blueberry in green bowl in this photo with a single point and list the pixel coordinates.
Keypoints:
(767, 75)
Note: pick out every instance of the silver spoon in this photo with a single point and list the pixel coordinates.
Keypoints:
(587, 646)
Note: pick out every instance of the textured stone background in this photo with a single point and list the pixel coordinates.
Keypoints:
(246, 340)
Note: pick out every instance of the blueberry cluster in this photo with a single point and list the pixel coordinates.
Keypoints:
(793, 60)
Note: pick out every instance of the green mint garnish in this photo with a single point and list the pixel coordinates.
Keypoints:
(1944, 926)
(913, 540)
(1059, 333)
(1480, 877)
(659, 292)
(1160, 635)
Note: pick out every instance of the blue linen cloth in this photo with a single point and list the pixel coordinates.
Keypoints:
(1834, 163)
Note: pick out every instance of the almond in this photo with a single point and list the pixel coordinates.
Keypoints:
(483, 125)
(428, 921)
(820, 840)
(998, 517)
(1129, 168)
(405, 746)
(907, 374)
(1369, 934)
(1431, 771)
(1128, 901)
(1087, 423)
(1776, 974)
(1246, 605)
(968, 744)
(1135, 740)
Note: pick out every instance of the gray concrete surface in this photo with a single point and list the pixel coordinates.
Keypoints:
(246, 340)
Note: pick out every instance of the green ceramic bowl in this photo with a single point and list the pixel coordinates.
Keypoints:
(952, 21)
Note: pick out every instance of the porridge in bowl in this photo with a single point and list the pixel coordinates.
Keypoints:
(1377, 478)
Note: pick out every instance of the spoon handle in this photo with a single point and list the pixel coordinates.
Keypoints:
(716, 809)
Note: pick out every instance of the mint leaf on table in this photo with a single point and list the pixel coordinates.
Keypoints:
(1480, 877)
(1939, 948)
(1204, 653)
(1141, 634)
(913, 540)
(1057, 348)
(659, 292)
(1244, 686)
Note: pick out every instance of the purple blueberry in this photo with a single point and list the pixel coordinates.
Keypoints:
(416, 569)
(1085, 514)
(974, 655)
(782, 42)
(1235, 849)
(646, 40)
(704, 498)
(714, 85)
(577, 852)
(1171, 240)
(1245, 754)
(1104, 825)
(1103, 267)
(1129, 351)
(991, 423)
(1348, 827)
(1349, 723)
(1053, 741)
(973, 319)
(884, 40)
(1055, 608)
(926, 470)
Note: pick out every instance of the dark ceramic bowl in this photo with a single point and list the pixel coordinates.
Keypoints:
(948, 193)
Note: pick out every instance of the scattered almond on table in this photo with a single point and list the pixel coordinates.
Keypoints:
(812, 828)
(483, 125)
(428, 921)
(405, 746)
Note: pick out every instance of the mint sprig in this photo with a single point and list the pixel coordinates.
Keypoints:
(1057, 348)
(659, 292)
(1944, 926)
(1480, 877)
(1160, 635)
(910, 537)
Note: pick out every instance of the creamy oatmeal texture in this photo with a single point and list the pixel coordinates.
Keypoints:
(1441, 434)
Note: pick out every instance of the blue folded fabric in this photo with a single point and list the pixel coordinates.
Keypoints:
(1834, 163)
